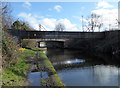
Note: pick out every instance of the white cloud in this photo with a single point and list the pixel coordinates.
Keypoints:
(27, 5)
(108, 17)
(58, 8)
(68, 25)
(84, 20)
(103, 4)
(30, 19)
(48, 23)
(108, 14)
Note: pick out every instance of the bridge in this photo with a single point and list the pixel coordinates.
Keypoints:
(23, 34)
(51, 43)
(49, 40)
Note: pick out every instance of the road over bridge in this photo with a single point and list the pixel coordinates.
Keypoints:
(23, 34)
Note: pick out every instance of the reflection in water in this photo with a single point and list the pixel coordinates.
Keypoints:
(69, 62)
(35, 78)
(87, 71)
(106, 74)
(119, 77)
(90, 76)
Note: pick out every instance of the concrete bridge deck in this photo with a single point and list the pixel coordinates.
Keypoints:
(54, 34)
(49, 40)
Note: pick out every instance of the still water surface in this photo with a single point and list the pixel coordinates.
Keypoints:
(75, 69)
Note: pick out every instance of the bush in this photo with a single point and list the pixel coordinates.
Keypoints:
(28, 43)
(9, 50)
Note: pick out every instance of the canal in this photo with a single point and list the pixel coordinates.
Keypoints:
(76, 69)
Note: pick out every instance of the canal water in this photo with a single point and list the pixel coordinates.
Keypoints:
(76, 69)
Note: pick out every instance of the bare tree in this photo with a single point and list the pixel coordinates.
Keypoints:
(118, 22)
(6, 15)
(59, 27)
(94, 22)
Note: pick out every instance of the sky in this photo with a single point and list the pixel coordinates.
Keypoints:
(49, 14)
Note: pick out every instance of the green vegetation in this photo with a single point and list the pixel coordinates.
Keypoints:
(110, 45)
(21, 25)
(15, 75)
(10, 46)
(10, 50)
(42, 49)
(46, 62)
(28, 43)
(15, 59)
(53, 80)
(29, 53)
(45, 65)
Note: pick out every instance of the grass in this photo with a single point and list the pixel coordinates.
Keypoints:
(42, 49)
(29, 52)
(15, 75)
(46, 62)
(52, 80)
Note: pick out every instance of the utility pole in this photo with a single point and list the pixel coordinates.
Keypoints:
(82, 24)
(109, 22)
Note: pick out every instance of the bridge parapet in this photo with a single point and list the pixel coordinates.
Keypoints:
(55, 34)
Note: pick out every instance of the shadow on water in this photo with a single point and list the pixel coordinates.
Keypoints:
(61, 56)
(77, 69)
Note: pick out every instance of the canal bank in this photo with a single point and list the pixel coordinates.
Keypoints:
(30, 63)
(15, 75)
(45, 65)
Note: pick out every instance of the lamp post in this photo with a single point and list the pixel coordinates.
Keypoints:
(119, 15)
